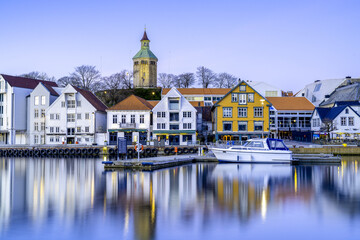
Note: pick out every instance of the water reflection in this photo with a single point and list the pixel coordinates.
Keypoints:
(42, 197)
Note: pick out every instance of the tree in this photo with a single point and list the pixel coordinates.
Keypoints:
(62, 82)
(225, 80)
(38, 75)
(186, 79)
(176, 81)
(328, 125)
(86, 77)
(166, 80)
(205, 76)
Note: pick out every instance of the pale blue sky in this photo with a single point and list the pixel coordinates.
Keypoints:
(285, 43)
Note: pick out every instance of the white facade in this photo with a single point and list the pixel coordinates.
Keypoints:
(132, 124)
(73, 119)
(265, 89)
(174, 119)
(345, 125)
(38, 101)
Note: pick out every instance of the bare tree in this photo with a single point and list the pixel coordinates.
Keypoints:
(38, 75)
(86, 77)
(328, 125)
(177, 81)
(127, 79)
(62, 82)
(186, 79)
(225, 80)
(205, 76)
(166, 80)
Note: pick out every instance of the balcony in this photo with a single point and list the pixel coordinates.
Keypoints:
(127, 125)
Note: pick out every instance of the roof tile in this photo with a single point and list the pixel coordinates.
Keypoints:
(291, 103)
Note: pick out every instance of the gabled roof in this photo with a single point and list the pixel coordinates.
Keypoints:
(347, 93)
(92, 99)
(51, 90)
(329, 113)
(153, 102)
(132, 103)
(28, 83)
(291, 103)
(199, 91)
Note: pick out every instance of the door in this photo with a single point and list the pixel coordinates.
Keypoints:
(113, 138)
(129, 139)
(143, 137)
(174, 140)
(70, 140)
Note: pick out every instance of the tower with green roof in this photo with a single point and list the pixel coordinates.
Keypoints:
(145, 66)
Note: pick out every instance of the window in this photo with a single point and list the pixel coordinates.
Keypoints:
(123, 118)
(187, 138)
(227, 112)
(242, 112)
(87, 129)
(242, 98)
(51, 129)
(78, 139)
(78, 116)
(136, 63)
(152, 63)
(78, 129)
(258, 112)
(57, 129)
(174, 126)
(271, 94)
(71, 117)
(115, 120)
(43, 100)
(347, 111)
(52, 116)
(70, 131)
(317, 87)
(1, 97)
(132, 119)
(343, 121)
(161, 114)
(63, 104)
(57, 139)
(173, 104)
(207, 98)
(36, 126)
(36, 113)
(187, 126)
(161, 126)
(187, 114)
(174, 117)
(36, 139)
(36, 100)
(234, 97)
(78, 103)
(242, 88)
(258, 126)
(313, 99)
(57, 116)
(87, 116)
(242, 126)
(250, 97)
(1, 122)
(51, 139)
(42, 126)
(1, 109)
(142, 118)
(216, 98)
(42, 113)
(71, 103)
(87, 139)
(351, 121)
(227, 126)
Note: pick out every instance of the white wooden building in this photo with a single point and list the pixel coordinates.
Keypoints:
(130, 118)
(13, 107)
(77, 116)
(174, 119)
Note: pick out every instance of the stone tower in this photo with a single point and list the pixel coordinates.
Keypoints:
(145, 66)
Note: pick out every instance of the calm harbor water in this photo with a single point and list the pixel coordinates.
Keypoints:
(77, 199)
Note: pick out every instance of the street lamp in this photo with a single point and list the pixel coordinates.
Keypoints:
(262, 113)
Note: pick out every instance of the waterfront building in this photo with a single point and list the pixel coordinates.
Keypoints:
(174, 119)
(319, 90)
(290, 117)
(145, 66)
(13, 107)
(340, 122)
(241, 114)
(346, 94)
(76, 116)
(130, 118)
(38, 101)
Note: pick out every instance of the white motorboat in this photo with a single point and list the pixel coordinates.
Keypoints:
(267, 150)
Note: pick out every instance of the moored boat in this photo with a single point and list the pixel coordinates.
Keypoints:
(269, 150)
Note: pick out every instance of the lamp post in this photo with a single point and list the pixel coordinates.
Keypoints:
(262, 113)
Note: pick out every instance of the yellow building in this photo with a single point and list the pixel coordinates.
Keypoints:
(145, 66)
(241, 114)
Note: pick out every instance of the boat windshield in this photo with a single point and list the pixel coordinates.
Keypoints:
(254, 144)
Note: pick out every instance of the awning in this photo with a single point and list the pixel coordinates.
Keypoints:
(174, 131)
(127, 130)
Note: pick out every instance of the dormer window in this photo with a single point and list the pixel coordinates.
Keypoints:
(347, 111)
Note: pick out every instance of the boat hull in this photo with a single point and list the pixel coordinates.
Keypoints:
(252, 156)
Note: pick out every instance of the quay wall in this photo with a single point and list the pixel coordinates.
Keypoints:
(351, 151)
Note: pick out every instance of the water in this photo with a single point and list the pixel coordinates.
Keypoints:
(77, 199)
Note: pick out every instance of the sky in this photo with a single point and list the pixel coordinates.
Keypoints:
(286, 43)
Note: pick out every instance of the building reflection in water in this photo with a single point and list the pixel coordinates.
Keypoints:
(138, 203)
